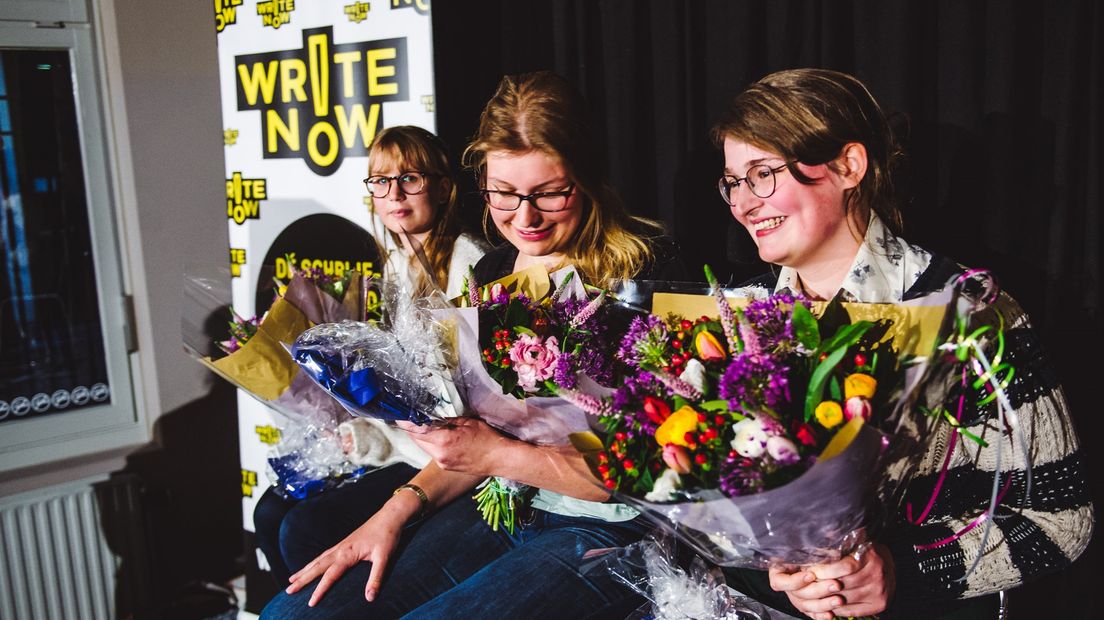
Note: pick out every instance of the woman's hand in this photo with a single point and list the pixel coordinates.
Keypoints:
(374, 541)
(851, 586)
(466, 445)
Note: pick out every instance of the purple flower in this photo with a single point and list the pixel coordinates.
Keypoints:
(771, 321)
(754, 381)
(740, 476)
(565, 376)
(644, 342)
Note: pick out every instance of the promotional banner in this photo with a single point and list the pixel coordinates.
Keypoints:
(305, 87)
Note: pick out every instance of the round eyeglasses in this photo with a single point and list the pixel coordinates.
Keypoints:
(547, 202)
(410, 183)
(760, 180)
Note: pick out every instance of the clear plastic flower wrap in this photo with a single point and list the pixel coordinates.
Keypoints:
(307, 458)
(395, 370)
(652, 569)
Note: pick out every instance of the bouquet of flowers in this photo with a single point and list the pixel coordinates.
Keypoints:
(392, 370)
(762, 434)
(254, 358)
(533, 347)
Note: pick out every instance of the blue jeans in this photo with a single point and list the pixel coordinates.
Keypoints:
(292, 532)
(453, 564)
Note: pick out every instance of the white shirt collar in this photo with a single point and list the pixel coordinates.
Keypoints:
(884, 268)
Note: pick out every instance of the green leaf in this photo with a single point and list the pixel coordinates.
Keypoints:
(834, 389)
(524, 330)
(516, 314)
(805, 327)
(714, 405)
(509, 383)
(845, 336)
(816, 383)
(679, 402)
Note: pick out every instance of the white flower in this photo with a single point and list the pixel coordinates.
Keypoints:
(782, 450)
(694, 374)
(751, 438)
(665, 487)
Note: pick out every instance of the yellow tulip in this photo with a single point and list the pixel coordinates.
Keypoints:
(859, 384)
(829, 414)
(674, 429)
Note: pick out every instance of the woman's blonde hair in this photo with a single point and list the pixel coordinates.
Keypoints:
(412, 149)
(808, 116)
(542, 112)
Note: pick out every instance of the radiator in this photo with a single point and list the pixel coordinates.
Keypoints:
(54, 558)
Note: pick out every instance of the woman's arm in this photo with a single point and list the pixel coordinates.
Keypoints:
(376, 540)
(470, 446)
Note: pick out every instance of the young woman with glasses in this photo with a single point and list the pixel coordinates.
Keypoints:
(546, 193)
(808, 160)
(412, 189)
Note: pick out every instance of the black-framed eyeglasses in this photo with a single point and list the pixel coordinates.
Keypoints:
(760, 180)
(411, 183)
(547, 202)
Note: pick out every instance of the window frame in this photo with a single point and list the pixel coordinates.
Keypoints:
(122, 422)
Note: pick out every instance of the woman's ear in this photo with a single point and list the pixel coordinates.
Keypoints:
(851, 164)
(445, 188)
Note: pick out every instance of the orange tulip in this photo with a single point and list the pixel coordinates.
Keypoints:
(708, 348)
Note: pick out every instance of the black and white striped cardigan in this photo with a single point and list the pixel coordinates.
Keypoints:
(1054, 524)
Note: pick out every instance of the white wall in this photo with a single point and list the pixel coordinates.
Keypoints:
(163, 105)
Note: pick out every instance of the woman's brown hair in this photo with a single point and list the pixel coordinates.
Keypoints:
(542, 112)
(412, 148)
(808, 116)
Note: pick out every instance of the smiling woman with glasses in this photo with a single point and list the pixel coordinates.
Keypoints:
(828, 218)
(548, 197)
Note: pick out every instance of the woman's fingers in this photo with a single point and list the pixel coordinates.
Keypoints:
(818, 589)
(332, 574)
(785, 581)
(834, 570)
(375, 578)
(815, 606)
(307, 574)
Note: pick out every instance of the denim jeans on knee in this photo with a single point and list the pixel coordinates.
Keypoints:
(317, 523)
(453, 564)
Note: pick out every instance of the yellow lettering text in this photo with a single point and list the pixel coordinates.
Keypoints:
(316, 131)
(289, 131)
(356, 122)
(293, 75)
(261, 77)
(346, 60)
(376, 71)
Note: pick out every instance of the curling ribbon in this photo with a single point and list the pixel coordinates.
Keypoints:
(1007, 418)
(357, 389)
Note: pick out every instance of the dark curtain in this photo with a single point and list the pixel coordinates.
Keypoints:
(998, 104)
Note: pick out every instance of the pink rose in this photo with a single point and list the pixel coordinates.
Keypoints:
(534, 360)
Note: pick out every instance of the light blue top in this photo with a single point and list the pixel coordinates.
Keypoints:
(555, 503)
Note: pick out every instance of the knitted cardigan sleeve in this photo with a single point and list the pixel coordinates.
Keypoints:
(1032, 534)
